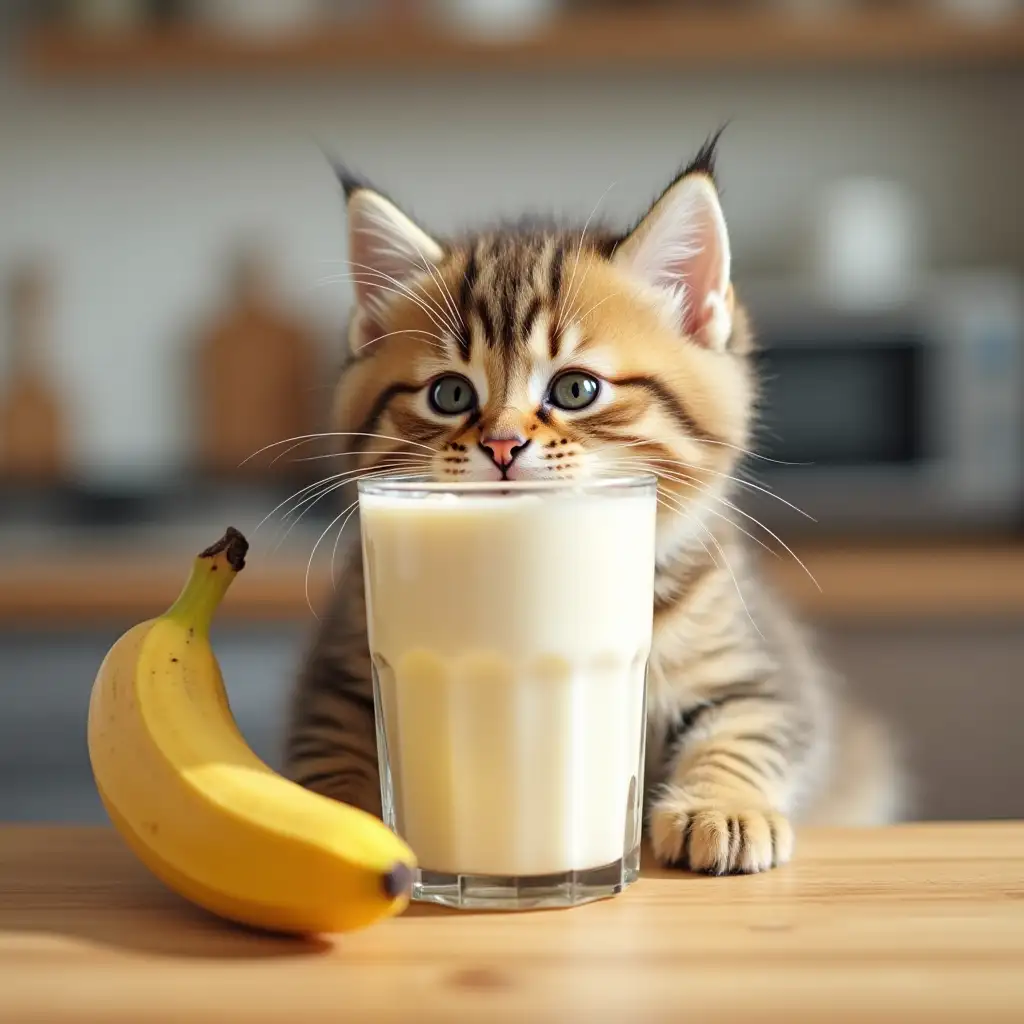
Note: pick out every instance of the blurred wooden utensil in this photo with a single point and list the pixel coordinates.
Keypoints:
(33, 430)
(255, 380)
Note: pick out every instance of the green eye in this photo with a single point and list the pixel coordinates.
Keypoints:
(574, 390)
(452, 395)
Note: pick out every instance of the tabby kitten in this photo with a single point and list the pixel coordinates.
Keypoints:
(534, 352)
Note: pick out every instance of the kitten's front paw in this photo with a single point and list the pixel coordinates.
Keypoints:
(719, 840)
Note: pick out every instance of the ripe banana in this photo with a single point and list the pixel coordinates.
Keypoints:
(200, 809)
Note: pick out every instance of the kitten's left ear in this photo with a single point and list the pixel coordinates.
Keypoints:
(387, 249)
(681, 250)
(386, 245)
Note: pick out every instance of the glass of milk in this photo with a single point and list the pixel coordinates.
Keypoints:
(510, 630)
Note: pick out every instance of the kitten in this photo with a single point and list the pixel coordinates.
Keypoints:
(534, 352)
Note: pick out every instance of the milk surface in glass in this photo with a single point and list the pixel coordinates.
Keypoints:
(510, 628)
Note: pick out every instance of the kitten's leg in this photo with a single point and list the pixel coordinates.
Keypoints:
(331, 746)
(732, 774)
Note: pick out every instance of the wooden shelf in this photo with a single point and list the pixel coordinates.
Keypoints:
(609, 42)
(862, 582)
(859, 582)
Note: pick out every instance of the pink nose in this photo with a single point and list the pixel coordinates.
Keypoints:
(503, 451)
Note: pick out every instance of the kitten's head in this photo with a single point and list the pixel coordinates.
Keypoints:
(535, 353)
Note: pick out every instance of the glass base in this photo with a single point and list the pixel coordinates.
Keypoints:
(526, 892)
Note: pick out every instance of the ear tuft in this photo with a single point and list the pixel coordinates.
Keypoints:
(350, 181)
(704, 161)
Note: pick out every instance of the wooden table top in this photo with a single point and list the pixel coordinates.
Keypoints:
(915, 923)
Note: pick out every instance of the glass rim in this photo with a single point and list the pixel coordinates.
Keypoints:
(385, 487)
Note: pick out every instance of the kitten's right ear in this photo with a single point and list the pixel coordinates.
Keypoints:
(680, 249)
(386, 249)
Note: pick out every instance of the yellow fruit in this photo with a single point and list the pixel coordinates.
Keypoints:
(201, 810)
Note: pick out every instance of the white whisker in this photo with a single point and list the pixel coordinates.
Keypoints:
(423, 264)
(579, 251)
(438, 280)
(714, 472)
(372, 277)
(337, 540)
(390, 334)
(570, 303)
(336, 433)
(351, 508)
(424, 297)
(325, 480)
(705, 440)
(579, 319)
(334, 483)
(350, 476)
(753, 455)
(746, 515)
(342, 455)
(280, 455)
(330, 526)
(771, 534)
(661, 499)
(357, 279)
(757, 522)
(400, 461)
(729, 570)
(298, 494)
(743, 483)
(691, 482)
(404, 253)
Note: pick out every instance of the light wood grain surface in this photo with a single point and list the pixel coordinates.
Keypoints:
(858, 581)
(916, 923)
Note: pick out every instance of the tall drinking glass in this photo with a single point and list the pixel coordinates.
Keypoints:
(510, 630)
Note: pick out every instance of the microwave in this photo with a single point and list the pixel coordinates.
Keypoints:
(909, 418)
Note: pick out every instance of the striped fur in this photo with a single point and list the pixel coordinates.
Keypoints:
(748, 730)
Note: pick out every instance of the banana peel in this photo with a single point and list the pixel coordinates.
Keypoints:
(196, 805)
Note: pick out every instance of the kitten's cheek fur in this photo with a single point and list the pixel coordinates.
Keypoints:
(719, 840)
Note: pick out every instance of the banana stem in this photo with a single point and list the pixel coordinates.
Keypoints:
(212, 573)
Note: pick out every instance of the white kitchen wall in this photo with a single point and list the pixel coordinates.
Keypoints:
(136, 191)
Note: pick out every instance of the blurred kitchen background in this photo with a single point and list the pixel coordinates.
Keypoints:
(169, 228)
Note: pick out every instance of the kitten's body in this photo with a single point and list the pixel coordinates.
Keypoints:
(747, 729)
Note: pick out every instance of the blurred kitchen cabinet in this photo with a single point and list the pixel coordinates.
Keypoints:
(44, 762)
(256, 381)
(33, 431)
(954, 693)
(107, 17)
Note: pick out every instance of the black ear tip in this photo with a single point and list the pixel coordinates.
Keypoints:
(704, 161)
(348, 179)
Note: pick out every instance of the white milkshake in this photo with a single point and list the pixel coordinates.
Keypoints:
(510, 627)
